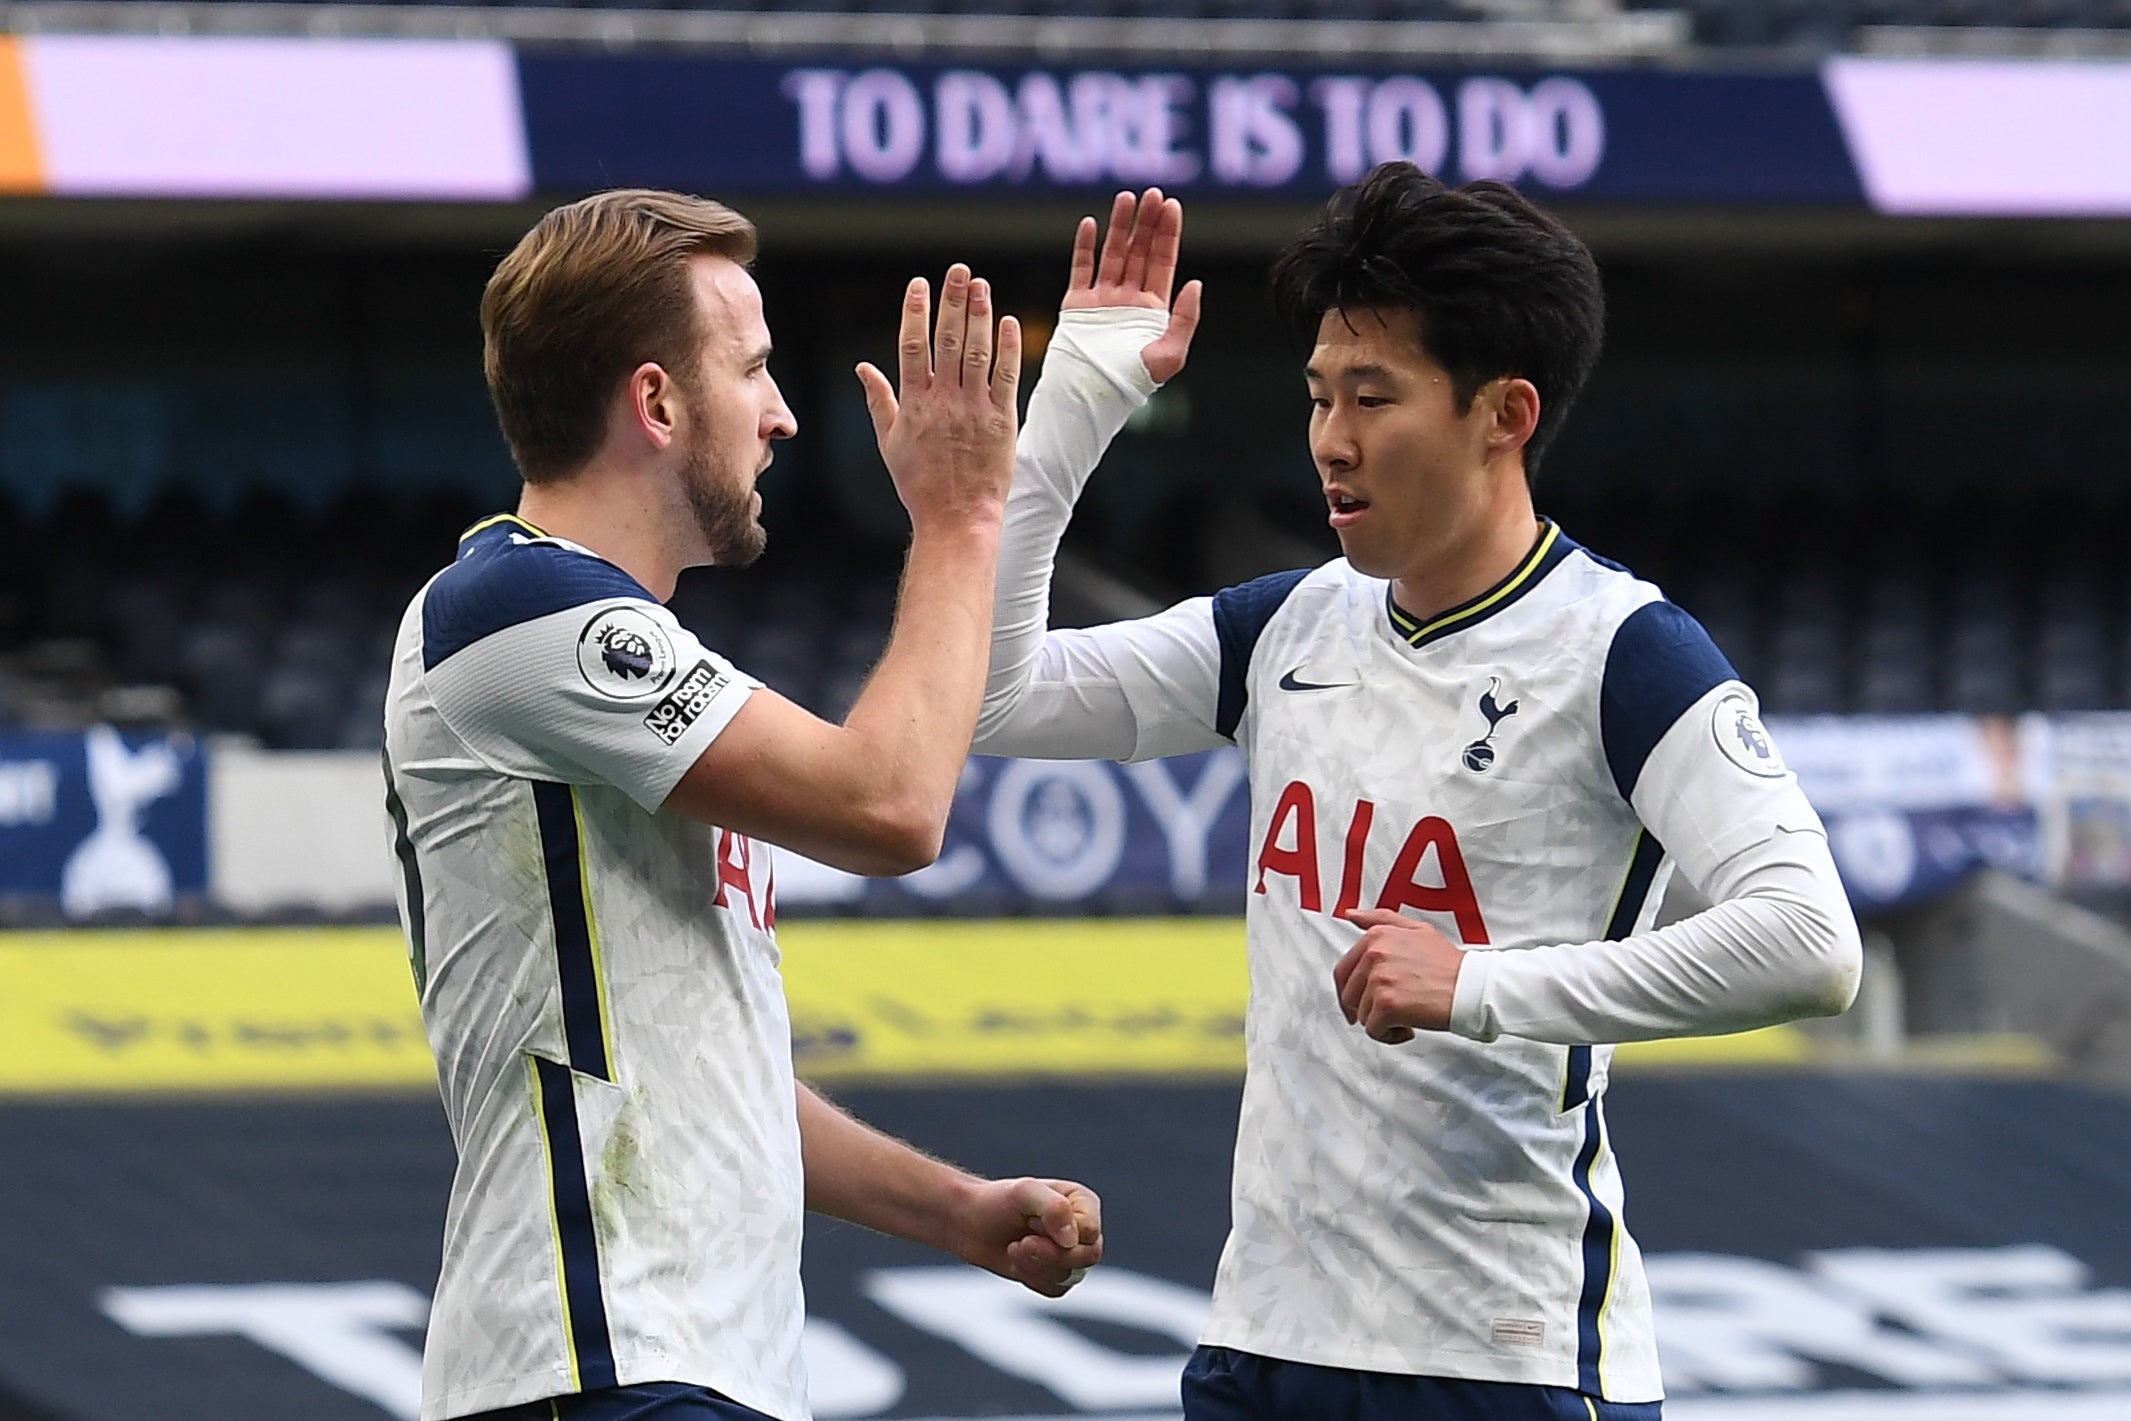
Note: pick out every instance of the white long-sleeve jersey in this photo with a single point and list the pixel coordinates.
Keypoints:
(1525, 771)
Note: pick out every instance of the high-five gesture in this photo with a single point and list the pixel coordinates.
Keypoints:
(948, 436)
(1137, 267)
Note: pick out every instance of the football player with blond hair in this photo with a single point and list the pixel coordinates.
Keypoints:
(582, 800)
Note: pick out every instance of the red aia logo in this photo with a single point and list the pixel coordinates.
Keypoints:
(736, 863)
(1293, 852)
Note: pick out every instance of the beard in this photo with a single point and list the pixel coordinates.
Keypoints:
(724, 510)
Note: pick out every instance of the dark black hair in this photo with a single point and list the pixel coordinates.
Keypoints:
(1498, 286)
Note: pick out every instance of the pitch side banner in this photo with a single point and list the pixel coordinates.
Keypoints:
(185, 1011)
(1913, 805)
(1062, 835)
(482, 121)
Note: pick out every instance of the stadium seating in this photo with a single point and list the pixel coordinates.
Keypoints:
(280, 627)
(1833, 24)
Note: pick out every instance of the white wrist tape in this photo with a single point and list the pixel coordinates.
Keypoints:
(1109, 340)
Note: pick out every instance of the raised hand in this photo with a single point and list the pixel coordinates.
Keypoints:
(1137, 267)
(947, 433)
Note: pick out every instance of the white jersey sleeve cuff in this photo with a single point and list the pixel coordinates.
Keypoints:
(1469, 1016)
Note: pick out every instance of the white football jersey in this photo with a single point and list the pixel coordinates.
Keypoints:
(1522, 772)
(600, 985)
(1456, 1210)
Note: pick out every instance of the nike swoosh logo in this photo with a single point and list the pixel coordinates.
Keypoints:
(1289, 683)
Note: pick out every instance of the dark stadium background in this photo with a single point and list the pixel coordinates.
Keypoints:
(1876, 434)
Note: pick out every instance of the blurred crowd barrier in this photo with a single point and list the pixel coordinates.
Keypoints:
(1914, 805)
(106, 824)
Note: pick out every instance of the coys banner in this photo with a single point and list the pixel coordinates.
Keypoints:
(1064, 835)
(101, 822)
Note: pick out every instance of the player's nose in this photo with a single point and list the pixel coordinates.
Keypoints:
(1331, 448)
(778, 422)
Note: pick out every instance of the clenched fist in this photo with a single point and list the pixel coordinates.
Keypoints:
(1400, 978)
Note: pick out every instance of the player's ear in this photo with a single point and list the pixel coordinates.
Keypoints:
(653, 404)
(1515, 403)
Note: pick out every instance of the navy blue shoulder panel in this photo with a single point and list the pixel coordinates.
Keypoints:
(499, 582)
(1239, 615)
(1661, 662)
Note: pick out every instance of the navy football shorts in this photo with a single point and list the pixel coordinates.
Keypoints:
(646, 1401)
(1222, 1384)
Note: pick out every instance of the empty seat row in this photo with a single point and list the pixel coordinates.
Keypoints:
(281, 628)
(1828, 24)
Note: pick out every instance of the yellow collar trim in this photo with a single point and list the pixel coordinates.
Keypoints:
(487, 523)
(1415, 632)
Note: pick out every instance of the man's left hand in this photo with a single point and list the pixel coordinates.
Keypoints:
(1400, 978)
(1042, 1233)
(1137, 267)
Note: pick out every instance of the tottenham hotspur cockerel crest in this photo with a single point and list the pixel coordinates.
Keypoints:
(1480, 755)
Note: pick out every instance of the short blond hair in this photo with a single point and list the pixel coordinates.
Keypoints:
(596, 289)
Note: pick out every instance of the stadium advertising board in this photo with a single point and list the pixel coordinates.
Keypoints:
(1621, 136)
(1914, 804)
(191, 1011)
(103, 822)
(1864, 1248)
(451, 120)
(146, 116)
(2085, 801)
(182, 1010)
(1060, 835)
